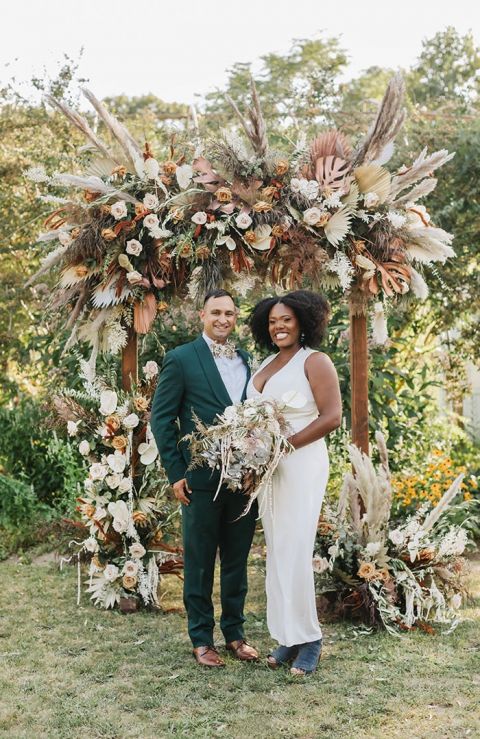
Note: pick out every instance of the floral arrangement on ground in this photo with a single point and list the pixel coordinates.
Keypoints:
(132, 526)
(410, 576)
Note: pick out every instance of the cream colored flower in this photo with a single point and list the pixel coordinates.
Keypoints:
(151, 168)
(119, 210)
(243, 220)
(117, 461)
(108, 402)
(72, 428)
(200, 217)
(184, 174)
(84, 448)
(134, 247)
(150, 201)
(131, 421)
(137, 551)
(134, 277)
(111, 572)
(120, 514)
(312, 216)
(98, 471)
(150, 369)
(150, 221)
(130, 568)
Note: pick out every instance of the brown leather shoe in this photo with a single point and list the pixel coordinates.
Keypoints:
(243, 651)
(208, 657)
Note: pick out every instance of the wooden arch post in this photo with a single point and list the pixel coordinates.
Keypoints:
(130, 360)
(359, 377)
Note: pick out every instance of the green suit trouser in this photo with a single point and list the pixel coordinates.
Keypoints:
(210, 526)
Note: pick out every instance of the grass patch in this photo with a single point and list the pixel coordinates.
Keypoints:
(68, 671)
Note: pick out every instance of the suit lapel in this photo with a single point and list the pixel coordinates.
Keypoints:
(212, 374)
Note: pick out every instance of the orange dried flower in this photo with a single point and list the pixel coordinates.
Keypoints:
(223, 195)
(81, 270)
(129, 582)
(140, 403)
(119, 442)
(367, 571)
(250, 237)
(113, 422)
(140, 518)
(169, 168)
(108, 234)
(281, 167)
(262, 207)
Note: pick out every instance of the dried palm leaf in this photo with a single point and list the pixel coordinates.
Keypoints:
(375, 179)
(387, 124)
(144, 313)
(339, 225)
(76, 274)
(331, 172)
(351, 198)
(121, 134)
(423, 166)
(82, 124)
(254, 127)
(330, 143)
(100, 167)
(105, 296)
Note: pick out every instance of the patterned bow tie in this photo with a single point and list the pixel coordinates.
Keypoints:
(227, 350)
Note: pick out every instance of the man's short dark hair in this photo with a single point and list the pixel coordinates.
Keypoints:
(218, 293)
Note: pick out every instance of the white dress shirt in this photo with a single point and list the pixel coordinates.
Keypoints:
(232, 371)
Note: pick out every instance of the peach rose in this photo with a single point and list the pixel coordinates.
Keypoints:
(119, 442)
(108, 234)
(250, 237)
(367, 571)
(281, 167)
(140, 403)
(129, 582)
(113, 421)
(169, 168)
(223, 195)
(140, 518)
(262, 207)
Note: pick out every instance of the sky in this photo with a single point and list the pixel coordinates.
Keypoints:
(183, 48)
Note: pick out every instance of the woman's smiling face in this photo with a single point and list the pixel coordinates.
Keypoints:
(283, 326)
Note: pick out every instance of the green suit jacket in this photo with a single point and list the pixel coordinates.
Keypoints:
(189, 381)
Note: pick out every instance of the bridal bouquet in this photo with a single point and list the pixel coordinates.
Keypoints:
(247, 442)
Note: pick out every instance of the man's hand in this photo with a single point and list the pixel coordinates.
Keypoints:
(181, 490)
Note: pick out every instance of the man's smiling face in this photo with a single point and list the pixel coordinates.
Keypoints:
(219, 316)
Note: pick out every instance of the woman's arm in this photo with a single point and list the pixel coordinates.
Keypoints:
(323, 380)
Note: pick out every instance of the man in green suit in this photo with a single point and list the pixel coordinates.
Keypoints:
(206, 376)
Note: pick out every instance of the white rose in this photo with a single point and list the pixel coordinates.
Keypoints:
(134, 247)
(113, 481)
(90, 544)
(150, 369)
(320, 564)
(151, 221)
(111, 572)
(119, 210)
(130, 568)
(125, 485)
(373, 548)
(151, 168)
(137, 550)
(200, 217)
(295, 184)
(243, 220)
(72, 428)
(134, 277)
(117, 461)
(98, 471)
(150, 201)
(84, 448)
(64, 238)
(371, 199)
(312, 216)
(396, 537)
(108, 402)
(131, 421)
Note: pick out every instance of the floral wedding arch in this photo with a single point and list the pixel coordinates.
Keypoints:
(137, 228)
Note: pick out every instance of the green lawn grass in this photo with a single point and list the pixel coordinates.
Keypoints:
(82, 673)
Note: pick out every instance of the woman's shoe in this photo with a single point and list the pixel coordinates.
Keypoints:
(281, 656)
(307, 659)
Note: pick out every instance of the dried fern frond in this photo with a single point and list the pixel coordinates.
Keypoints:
(423, 166)
(254, 127)
(386, 125)
(82, 124)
